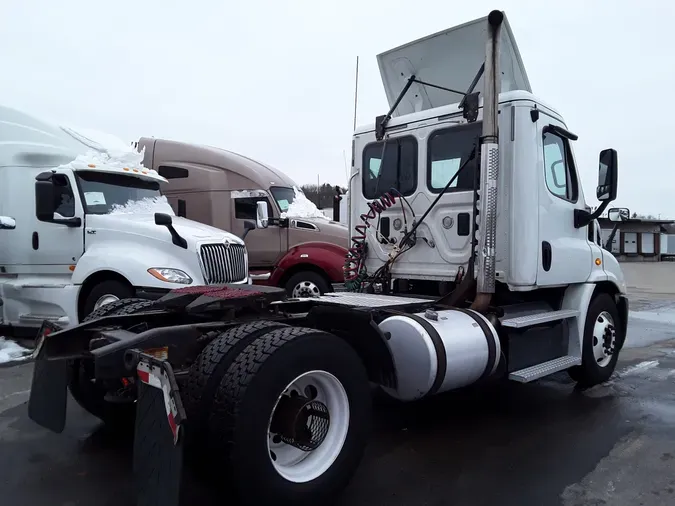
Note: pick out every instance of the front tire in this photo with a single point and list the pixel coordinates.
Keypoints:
(293, 412)
(602, 341)
(105, 293)
(307, 284)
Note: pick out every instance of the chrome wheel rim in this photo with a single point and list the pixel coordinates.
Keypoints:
(305, 289)
(604, 339)
(105, 299)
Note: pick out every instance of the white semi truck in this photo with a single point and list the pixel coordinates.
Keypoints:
(472, 260)
(90, 226)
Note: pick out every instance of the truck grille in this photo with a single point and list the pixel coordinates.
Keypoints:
(223, 263)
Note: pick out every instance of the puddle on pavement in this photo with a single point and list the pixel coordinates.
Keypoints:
(663, 411)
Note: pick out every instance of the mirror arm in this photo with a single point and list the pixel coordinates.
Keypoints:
(610, 239)
(583, 217)
(176, 237)
(248, 226)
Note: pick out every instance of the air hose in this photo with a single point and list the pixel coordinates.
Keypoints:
(355, 268)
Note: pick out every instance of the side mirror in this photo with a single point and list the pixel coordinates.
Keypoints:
(617, 214)
(163, 219)
(44, 196)
(607, 176)
(7, 223)
(262, 217)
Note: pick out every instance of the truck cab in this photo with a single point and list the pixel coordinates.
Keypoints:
(91, 226)
(300, 250)
(540, 241)
(468, 191)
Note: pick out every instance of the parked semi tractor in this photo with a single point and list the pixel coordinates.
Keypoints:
(471, 260)
(91, 227)
(302, 253)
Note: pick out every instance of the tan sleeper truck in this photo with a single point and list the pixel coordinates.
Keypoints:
(221, 188)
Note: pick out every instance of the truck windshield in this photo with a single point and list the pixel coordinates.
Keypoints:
(103, 193)
(283, 196)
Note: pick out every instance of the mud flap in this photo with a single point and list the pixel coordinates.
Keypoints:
(159, 437)
(49, 389)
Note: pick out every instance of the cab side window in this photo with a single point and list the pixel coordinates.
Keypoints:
(245, 207)
(64, 199)
(559, 169)
(390, 164)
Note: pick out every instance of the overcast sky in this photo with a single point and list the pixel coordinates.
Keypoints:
(275, 79)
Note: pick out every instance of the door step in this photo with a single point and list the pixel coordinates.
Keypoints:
(519, 322)
(537, 371)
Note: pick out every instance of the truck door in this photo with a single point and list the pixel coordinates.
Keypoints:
(58, 244)
(263, 245)
(53, 246)
(564, 251)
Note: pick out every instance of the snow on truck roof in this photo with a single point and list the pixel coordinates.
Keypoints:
(27, 141)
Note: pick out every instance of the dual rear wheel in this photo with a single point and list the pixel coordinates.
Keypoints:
(280, 414)
(292, 411)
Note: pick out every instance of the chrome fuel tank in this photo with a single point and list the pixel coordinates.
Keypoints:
(435, 352)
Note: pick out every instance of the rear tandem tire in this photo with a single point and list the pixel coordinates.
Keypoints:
(205, 375)
(90, 394)
(298, 361)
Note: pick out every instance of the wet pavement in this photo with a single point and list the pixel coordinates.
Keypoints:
(510, 444)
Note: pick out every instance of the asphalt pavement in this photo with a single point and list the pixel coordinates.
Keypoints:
(509, 444)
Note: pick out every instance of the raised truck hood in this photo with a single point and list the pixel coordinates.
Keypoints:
(451, 59)
(144, 224)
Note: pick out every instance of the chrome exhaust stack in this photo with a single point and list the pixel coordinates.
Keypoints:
(489, 166)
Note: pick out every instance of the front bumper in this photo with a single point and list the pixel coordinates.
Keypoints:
(151, 293)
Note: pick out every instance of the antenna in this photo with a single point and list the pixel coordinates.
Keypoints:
(344, 156)
(356, 90)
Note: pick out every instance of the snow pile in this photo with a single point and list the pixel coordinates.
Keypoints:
(302, 207)
(109, 153)
(100, 141)
(117, 160)
(10, 351)
(147, 205)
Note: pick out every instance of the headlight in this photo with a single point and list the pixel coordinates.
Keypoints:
(170, 275)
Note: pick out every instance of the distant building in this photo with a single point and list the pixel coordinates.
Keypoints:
(641, 240)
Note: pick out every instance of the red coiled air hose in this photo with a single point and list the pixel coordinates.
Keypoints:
(356, 254)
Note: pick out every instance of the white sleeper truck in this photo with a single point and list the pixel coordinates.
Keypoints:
(89, 227)
(473, 259)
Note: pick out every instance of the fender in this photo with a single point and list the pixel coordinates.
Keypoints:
(578, 296)
(328, 257)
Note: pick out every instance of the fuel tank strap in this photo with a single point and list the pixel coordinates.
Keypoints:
(441, 358)
(487, 332)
